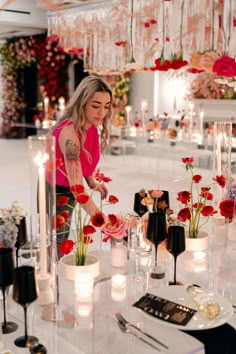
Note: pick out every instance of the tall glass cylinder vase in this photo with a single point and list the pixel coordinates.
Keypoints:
(222, 157)
(43, 209)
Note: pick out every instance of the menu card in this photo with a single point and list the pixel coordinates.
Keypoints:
(164, 309)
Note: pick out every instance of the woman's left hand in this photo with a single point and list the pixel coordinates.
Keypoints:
(102, 189)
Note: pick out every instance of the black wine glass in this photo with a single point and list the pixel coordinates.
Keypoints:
(175, 244)
(6, 279)
(22, 237)
(156, 233)
(138, 207)
(24, 293)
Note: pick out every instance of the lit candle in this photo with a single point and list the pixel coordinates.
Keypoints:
(61, 102)
(40, 160)
(218, 167)
(46, 103)
(191, 105)
(175, 103)
(199, 256)
(201, 124)
(128, 109)
(143, 109)
(118, 281)
(83, 283)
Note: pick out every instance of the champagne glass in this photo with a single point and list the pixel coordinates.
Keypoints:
(22, 237)
(138, 207)
(24, 292)
(6, 279)
(156, 233)
(175, 244)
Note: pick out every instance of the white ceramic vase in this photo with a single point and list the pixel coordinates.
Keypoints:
(196, 244)
(68, 266)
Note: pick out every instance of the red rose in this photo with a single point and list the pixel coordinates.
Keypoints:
(77, 189)
(65, 214)
(97, 219)
(82, 198)
(88, 230)
(184, 197)
(162, 65)
(207, 195)
(60, 222)
(208, 210)
(227, 208)
(225, 66)
(184, 214)
(187, 159)
(67, 246)
(220, 180)
(196, 178)
(62, 200)
(113, 199)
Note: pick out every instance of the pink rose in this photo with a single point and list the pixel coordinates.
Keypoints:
(115, 227)
(225, 66)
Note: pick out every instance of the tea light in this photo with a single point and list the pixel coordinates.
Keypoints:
(118, 294)
(83, 315)
(83, 283)
(199, 256)
(118, 281)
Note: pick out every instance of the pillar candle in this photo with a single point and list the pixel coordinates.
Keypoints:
(191, 120)
(42, 222)
(201, 124)
(218, 169)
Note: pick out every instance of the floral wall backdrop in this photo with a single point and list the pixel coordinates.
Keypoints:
(52, 63)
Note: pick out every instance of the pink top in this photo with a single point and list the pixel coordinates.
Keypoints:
(91, 144)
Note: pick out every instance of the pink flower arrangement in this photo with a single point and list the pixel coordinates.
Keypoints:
(115, 226)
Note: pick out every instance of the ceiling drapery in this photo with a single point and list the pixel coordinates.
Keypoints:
(160, 29)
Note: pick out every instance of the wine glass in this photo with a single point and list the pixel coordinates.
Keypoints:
(24, 292)
(156, 233)
(6, 279)
(22, 237)
(138, 207)
(175, 244)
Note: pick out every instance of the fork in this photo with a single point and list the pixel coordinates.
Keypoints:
(125, 323)
(124, 329)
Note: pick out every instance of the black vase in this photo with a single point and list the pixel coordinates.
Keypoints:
(138, 207)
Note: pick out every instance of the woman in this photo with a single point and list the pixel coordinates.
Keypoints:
(81, 134)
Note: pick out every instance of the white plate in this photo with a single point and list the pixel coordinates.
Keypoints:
(178, 294)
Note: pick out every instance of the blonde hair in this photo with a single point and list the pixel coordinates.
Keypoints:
(74, 110)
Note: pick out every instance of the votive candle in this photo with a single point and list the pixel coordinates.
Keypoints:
(83, 283)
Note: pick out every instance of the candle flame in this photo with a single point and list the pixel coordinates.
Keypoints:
(41, 158)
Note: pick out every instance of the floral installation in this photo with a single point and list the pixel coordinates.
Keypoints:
(120, 86)
(205, 86)
(50, 59)
(193, 211)
(9, 219)
(85, 226)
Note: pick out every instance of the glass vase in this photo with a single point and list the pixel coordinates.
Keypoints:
(119, 253)
(221, 158)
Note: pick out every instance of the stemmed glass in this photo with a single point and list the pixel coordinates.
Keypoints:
(138, 207)
(6, 279)
(156, 233)
(24, 292)
(22, 237)
(175, 244)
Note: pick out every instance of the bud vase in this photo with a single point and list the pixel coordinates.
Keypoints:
(118, 253)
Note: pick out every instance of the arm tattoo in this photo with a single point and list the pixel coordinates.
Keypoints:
(71, 150)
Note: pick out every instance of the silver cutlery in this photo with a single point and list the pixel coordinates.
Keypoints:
(126, 330)
(124, 322)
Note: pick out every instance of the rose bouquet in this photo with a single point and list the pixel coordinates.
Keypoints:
(85, 226)
(9, 219)
(193, 211)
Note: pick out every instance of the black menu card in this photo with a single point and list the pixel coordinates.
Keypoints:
(164, 309)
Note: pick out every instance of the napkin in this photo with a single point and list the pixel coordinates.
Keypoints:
(220, 340)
